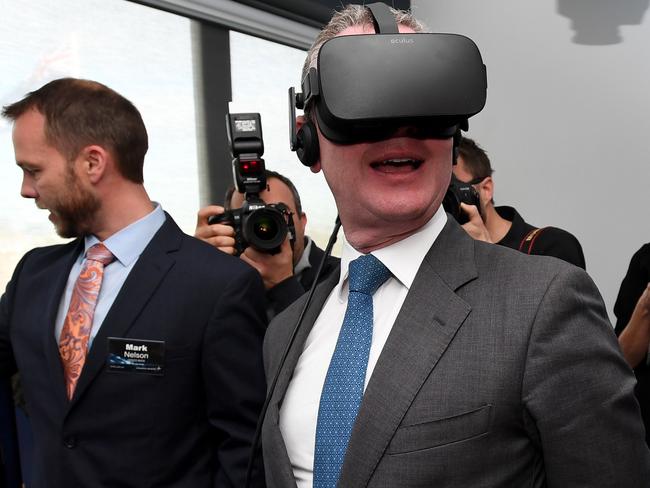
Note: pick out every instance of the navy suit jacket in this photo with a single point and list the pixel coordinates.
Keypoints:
(191, 426)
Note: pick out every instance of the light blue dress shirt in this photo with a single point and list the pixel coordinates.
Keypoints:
(126, 245)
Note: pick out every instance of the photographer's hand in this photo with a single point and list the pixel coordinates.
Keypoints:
(475, 226)
(221, 236)
(274, 268)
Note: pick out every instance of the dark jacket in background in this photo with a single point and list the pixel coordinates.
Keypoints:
(550, 241)
(288, 291)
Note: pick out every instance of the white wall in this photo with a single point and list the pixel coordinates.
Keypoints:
(566, 125)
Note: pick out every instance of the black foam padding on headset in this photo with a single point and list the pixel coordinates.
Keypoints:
(457, 138)
(308, 150)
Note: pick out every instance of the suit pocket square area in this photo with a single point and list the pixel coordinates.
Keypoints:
(441, 431)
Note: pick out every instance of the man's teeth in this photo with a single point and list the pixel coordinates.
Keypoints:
(399, 162)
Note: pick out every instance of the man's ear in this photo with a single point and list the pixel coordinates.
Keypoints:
(94, 162)
(487, 189)
(303, 220)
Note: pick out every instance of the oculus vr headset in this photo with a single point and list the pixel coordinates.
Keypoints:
(365, 87)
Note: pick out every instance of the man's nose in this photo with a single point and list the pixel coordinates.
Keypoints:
(27, 189)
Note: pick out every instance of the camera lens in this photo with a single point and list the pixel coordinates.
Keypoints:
(265, 229)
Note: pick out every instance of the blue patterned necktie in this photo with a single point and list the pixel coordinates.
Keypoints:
(343, 388)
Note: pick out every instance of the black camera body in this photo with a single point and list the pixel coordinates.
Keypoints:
(457, 193)
(257, 224)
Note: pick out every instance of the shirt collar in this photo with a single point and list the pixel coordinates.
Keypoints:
(303, 263)
(128, 243)
(403, 258)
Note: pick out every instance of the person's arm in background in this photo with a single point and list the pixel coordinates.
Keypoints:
(635, 338)
(632, 287)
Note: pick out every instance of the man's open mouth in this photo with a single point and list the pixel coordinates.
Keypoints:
(390, 165)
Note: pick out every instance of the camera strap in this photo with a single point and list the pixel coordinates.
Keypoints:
(529, 239)
(291, 226)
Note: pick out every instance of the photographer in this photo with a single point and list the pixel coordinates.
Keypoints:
(503, 225)
(286, 274)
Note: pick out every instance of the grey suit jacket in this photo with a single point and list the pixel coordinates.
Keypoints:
(501, 370)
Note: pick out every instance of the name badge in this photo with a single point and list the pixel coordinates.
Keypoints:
(136, 356)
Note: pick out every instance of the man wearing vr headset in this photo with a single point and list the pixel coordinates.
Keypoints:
(503, 225)
(457, 362)
(287, 274)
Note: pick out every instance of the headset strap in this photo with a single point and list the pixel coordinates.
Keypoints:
(529, 239)
(383, 19)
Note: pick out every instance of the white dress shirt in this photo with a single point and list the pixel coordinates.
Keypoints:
(299, 411)
(126, 245)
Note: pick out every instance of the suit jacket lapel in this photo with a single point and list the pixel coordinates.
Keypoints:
(308, 275)
(280, 471)
(320, 295)
(143, 280)
(60, 272)
(430, 317)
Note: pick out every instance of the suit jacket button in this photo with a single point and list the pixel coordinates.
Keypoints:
(70, 441)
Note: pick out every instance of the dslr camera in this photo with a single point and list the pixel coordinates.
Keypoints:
(257, 224)
(457, 193)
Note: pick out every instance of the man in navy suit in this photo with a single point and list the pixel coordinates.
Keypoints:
(169, 383)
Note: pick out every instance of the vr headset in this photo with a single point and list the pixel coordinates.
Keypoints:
(365, 87)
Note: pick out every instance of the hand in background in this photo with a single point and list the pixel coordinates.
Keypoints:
(274, 268)
(221, 236)
(475, 226)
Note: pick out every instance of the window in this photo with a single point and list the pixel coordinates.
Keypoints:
(144, 54)
(262, 72)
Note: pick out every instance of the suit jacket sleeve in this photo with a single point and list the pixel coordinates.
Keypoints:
(7, 360)
(234, 377)
(578, 392)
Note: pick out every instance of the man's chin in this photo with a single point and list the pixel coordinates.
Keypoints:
(65, 232)
(64, 228)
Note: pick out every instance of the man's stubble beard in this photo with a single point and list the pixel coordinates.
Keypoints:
(75, 210)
